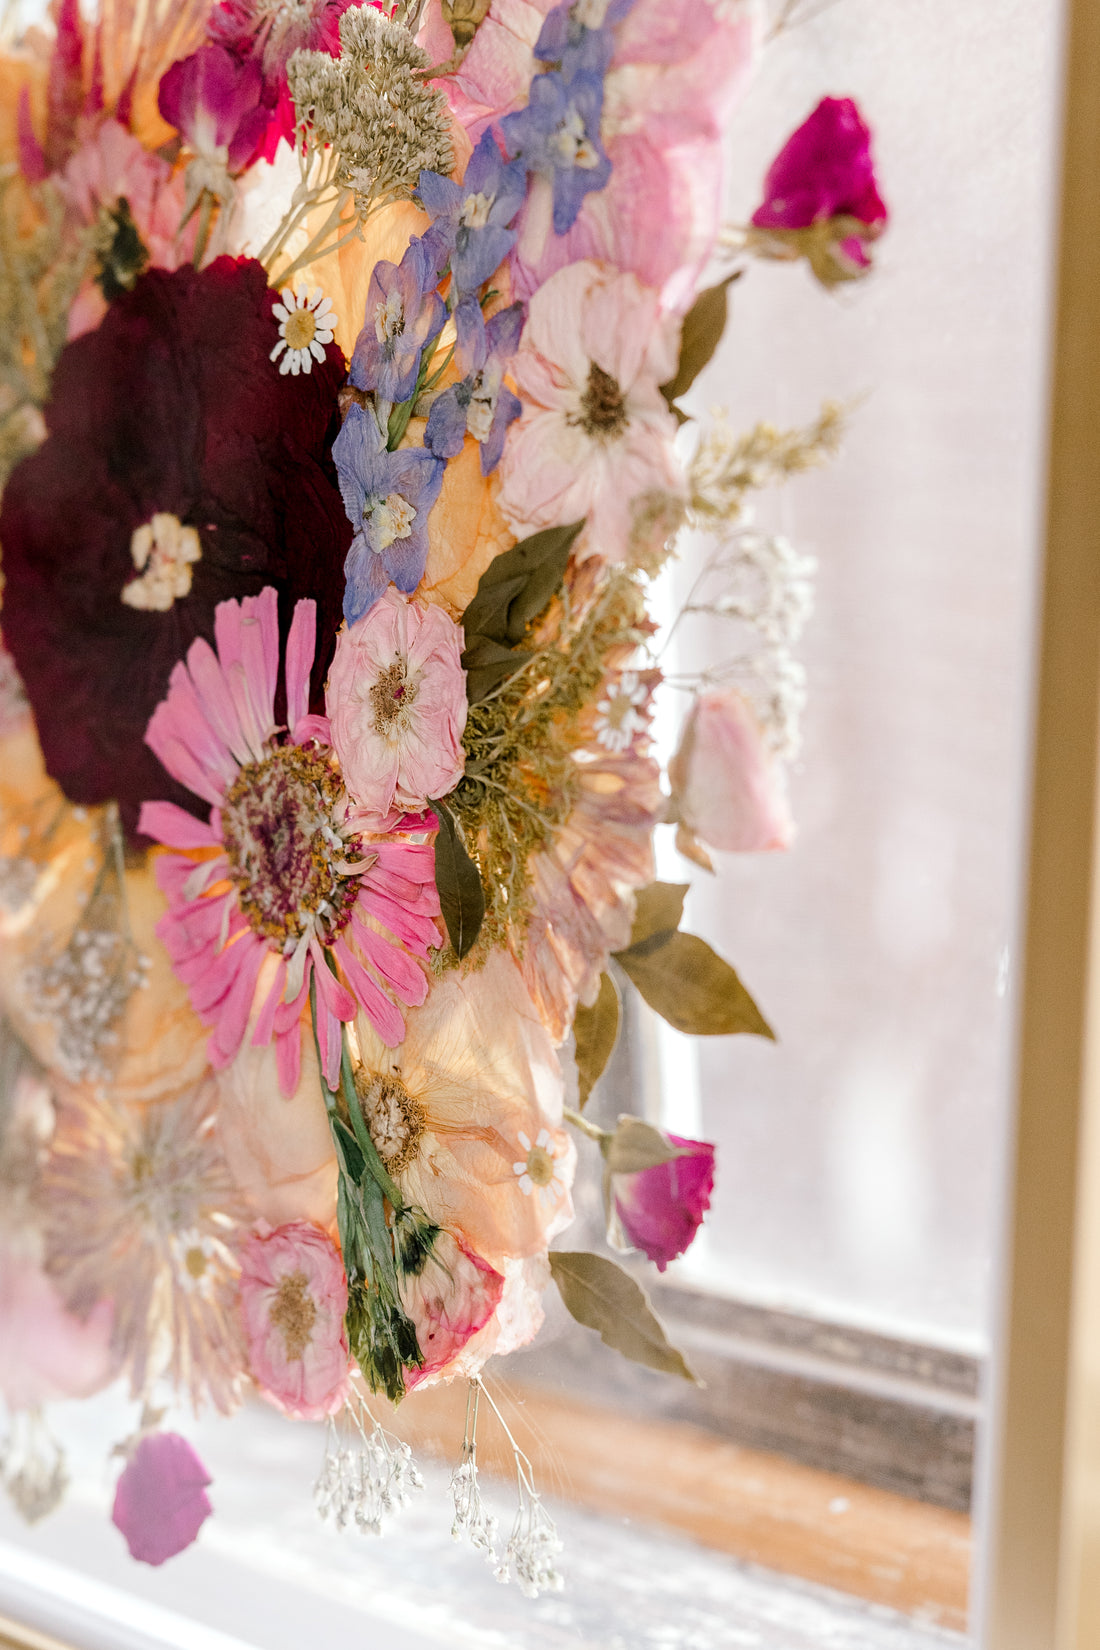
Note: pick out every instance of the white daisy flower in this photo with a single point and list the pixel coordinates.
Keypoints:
(617, 718)
(306, 324)
(543, 1168)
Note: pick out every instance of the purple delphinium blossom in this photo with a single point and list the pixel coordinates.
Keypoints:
(476, 213)
(824, 170)
(481, 403)
(661, 1209)
(577, 35)
(388, 497)
(214, 102)
(161, 1501)
(558, 135)
(404, 314)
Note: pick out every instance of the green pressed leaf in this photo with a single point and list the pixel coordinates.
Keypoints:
(603, 1297)
(657, 912)
(692, 988)
(637, 1145)
(516, 586)
(595, 1033)
(486, 664)
(461, 896)
(704, 325)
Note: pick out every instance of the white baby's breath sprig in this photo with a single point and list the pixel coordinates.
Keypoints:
(32, 1466)
(533, 1546)
(367, 1477)
(470, 1516)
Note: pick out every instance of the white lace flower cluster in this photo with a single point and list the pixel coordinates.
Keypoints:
(367, 1479)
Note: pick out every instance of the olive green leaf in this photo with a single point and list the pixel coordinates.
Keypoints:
(691, 987)
(461, 896)
(657, 912)
(595, 1033)
(636, 1145)
(603, 1297)
(703, 326)
(487, 664)
(516, 586)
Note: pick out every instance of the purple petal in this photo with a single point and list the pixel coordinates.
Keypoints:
(446, 429)
(471, 342)
(366, 579)
(161, 1501)
(508, 408)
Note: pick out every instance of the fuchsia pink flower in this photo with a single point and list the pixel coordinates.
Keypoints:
(213, 101)
(397, 704)
(293, 1299)
(661, 1209)
(595, 438)
(727, 789)
(449, 1302)
(161, 1501)
(824, 175)
(282, 878)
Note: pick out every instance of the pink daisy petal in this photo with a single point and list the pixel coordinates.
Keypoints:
(300, 648)
(165, 822)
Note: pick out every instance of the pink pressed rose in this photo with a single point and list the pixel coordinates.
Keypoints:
(293, 1299)
(595, 437)
(46, 1353)
(823, 180)
(660, 1210)
(161, 1501)
(397, 704)
(452, 1299)
(726, 787)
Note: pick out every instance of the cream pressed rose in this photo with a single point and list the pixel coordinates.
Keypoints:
(726, 787)
(595, 439)
(293, 1299)
(396, 699)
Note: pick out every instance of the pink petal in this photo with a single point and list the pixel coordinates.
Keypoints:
(161, 1501)
(172, 825)
(300, 647)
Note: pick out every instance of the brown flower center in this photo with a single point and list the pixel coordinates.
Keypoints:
(392, 697)
(603, 408)
(283, 851)
(300, 329)
(394, 1117)
(293, 1313)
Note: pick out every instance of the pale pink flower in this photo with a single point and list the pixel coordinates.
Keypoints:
(277, 1147)
(46, 1353)
(293, 1299)
(676, 72)
(727, 789)
(109, 166)
(583, 882)
(284, 866)
(596, 436)
(515, 1322)
(396, 699)
(161, 1501)
(450, 1300)
(449, 1111)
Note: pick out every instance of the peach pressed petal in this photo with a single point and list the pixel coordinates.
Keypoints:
(466, 531)
(278, 1148)
(482, 1072)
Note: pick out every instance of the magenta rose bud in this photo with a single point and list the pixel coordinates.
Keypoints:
(661, 1209)
(161, 1501)
(821, 198)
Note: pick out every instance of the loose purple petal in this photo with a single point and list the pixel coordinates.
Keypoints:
(161, 1501)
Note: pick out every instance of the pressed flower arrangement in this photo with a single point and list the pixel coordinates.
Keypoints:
(340, 439)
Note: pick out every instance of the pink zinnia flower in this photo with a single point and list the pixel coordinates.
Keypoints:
(281, 878)
(161, 1501)
(595, 437)
(396, 700)
(293, 1299)
(727, 788)
(450, 1301)
(660, 1210)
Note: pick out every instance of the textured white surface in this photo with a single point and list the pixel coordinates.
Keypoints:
(267, 1575)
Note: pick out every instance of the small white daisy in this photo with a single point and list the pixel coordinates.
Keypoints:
(306, 324)
(540, 1171)
(617, 718)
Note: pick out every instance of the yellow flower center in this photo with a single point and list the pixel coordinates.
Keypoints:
(294, 1313)
(195, 1262)
(540, 1166)
(394, 1117)
(301, 329)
